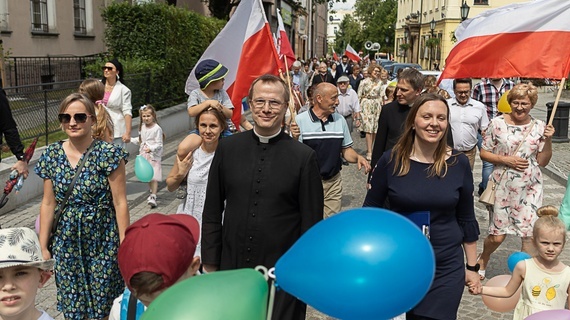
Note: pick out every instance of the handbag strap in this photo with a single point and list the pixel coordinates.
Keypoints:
(57, 215)
(518, 147)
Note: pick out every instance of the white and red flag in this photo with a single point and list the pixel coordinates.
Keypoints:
(244, 46)
(283, 45)
(528, 39)
(335, 56)
(351, 53)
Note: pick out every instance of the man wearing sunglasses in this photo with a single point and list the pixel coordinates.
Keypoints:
(9, 130)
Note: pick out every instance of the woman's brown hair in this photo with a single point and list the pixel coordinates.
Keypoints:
(405, 145)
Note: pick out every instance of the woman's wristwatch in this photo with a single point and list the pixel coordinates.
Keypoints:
(474, 268)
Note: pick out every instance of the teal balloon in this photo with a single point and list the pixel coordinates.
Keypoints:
(143, 169)
(238, 294)
(364, 263)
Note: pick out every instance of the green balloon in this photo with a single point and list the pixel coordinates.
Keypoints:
(236, 294)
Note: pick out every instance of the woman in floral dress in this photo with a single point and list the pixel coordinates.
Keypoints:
(370, 95)
(517, 176)
(94, 218)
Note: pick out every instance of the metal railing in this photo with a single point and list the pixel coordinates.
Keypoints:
(23, 71)
(35, 107)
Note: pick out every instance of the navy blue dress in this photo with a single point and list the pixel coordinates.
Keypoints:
(452, 222)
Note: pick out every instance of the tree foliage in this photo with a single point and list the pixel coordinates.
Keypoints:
(350, 32)
(378, 18)
(156, 37)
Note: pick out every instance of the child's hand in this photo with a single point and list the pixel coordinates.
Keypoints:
(185, 164)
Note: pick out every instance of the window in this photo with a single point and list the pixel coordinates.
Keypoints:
(79, 20)
(480, 1)
(40, 16)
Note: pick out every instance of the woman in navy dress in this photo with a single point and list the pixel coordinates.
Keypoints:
(422, 174)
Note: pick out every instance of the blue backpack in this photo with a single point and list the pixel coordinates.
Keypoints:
(131, 307)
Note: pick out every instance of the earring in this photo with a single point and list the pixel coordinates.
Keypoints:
(413, 128)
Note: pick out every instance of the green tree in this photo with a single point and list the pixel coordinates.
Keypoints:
(350, 32)
(378, 18)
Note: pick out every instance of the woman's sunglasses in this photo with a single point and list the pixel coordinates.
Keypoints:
(105, 68)
(78, 117)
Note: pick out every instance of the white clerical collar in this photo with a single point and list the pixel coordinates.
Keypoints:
(265, 139)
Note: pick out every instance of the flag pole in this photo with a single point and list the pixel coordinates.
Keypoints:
(291, 102)
(553, 112)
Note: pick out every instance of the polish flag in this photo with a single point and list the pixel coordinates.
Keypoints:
(244, 46)
(335, 56)
(528, 40)
(283, 45)
(351, 53)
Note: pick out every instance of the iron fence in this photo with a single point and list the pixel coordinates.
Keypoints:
(35, 107)
(24, 71)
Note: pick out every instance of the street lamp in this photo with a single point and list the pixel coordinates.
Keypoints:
(464, 11)
(432, 28)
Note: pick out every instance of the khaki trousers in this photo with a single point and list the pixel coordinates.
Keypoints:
(332, 189)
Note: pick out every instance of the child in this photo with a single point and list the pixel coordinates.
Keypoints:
(210, 75)
(157, 252)
(95, 90)
(151, 140)
(545, 280)
(22, 273)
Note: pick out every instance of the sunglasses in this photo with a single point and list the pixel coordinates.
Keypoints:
(78, 117)
(105, 68)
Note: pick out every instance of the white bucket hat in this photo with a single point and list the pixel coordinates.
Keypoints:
(21, 247)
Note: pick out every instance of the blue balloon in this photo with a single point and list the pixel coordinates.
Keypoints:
(143, 169)
(359, 264)
(515, 257)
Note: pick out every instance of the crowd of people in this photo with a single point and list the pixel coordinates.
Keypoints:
(421, 145)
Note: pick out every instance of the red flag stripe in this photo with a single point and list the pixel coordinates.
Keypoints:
(498, 56)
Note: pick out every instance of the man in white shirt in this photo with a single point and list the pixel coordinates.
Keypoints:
(348, 106)
(467, 117)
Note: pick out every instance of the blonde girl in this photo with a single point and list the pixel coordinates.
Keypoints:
(150, 143)
(95, 90)
(545, 279)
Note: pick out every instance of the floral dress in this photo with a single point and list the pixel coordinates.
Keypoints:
(518, 193)
(86, 240)
(370, 95)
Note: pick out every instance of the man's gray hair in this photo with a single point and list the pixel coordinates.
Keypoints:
(296, 64)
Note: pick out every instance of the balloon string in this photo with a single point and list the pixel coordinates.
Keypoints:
(269, 276)
(271, 298)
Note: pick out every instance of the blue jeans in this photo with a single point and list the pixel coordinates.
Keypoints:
(487, 166)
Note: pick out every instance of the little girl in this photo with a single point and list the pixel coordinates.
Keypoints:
(151, 141)
(545, 280)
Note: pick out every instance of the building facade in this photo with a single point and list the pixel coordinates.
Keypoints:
(51, 27)
(416, 42)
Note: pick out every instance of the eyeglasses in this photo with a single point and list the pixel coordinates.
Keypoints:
(462, 92)
(78, 117)
(260, 103)
(522, 104)
(105, 68)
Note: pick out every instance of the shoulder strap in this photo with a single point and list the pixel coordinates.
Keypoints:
(519, 146)
(57, 215)
(132, 308)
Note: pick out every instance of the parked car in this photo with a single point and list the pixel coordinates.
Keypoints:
(393, 69)
(385, 62)
(431, 73)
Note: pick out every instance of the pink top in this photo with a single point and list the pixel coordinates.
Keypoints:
(106, 97)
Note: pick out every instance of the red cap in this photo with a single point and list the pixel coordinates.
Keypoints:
(159, 243)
